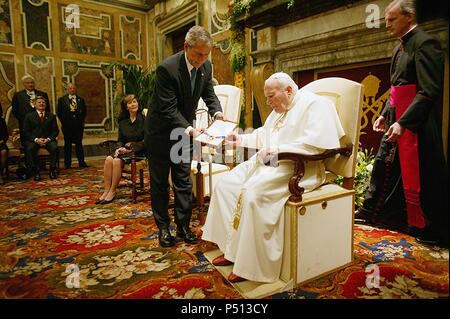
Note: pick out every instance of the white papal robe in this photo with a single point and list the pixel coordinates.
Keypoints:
(256, 193)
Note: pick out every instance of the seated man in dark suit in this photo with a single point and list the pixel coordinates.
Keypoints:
(40, 130)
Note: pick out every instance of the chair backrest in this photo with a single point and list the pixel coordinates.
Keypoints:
(230, 100)
(347, 96)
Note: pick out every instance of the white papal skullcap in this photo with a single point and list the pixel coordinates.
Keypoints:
(284, 79)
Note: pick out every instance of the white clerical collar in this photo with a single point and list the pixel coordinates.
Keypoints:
(189, 65)
(410, 29)
(294, 100)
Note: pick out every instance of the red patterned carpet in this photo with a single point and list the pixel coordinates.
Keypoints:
(51, 230)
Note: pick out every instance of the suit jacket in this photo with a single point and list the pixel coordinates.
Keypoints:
(72, 123)
(172, 104)
(34, 128)
(21, 104)
(4, 135)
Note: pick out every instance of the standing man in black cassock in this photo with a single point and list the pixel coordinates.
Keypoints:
(180, 81)
(409, 184)
(71, 112)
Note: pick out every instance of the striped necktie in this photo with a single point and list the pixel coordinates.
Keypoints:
(73, 104)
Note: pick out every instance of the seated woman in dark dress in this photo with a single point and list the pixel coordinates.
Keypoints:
(3, 148)
(131, 129)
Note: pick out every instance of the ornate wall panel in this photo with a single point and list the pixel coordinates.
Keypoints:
(131, 38)
(42, 69)
(6, 27)
(218, 16)
(95, 34)
(7, 80)
(36, 24)
(94, 83)
(219, 58)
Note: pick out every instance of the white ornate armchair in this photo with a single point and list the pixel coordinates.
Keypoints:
(318, 233)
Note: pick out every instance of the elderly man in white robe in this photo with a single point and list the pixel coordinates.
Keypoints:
(245, 213)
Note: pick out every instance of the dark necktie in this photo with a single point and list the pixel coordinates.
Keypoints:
(193, 76)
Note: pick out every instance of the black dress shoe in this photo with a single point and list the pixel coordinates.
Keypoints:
(52, 173)
(427, 241)
(99, 201)
(104, 201)
(360, 217)
(83, 165)
(186, 233)
(165, 238)
(37, 177)
(426, 237)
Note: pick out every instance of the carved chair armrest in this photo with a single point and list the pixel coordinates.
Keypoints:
(108, 144)
(299, 166)
(132, 145)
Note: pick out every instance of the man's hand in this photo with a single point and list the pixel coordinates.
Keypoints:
(196, 132)
(219, 117)
(42, 141)
(233, 138)
(378, 125)
(395, 132)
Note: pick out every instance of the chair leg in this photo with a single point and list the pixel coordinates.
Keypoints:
(133, 181)
(141, 178)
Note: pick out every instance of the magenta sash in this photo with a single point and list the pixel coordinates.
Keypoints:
(402, 97)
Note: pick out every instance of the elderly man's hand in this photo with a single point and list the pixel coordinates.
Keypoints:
(267, 156)
(233, 138)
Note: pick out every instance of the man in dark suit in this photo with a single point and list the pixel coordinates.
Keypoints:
(23, 102)
(40, 130)
(180, 81)
(71, 112)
